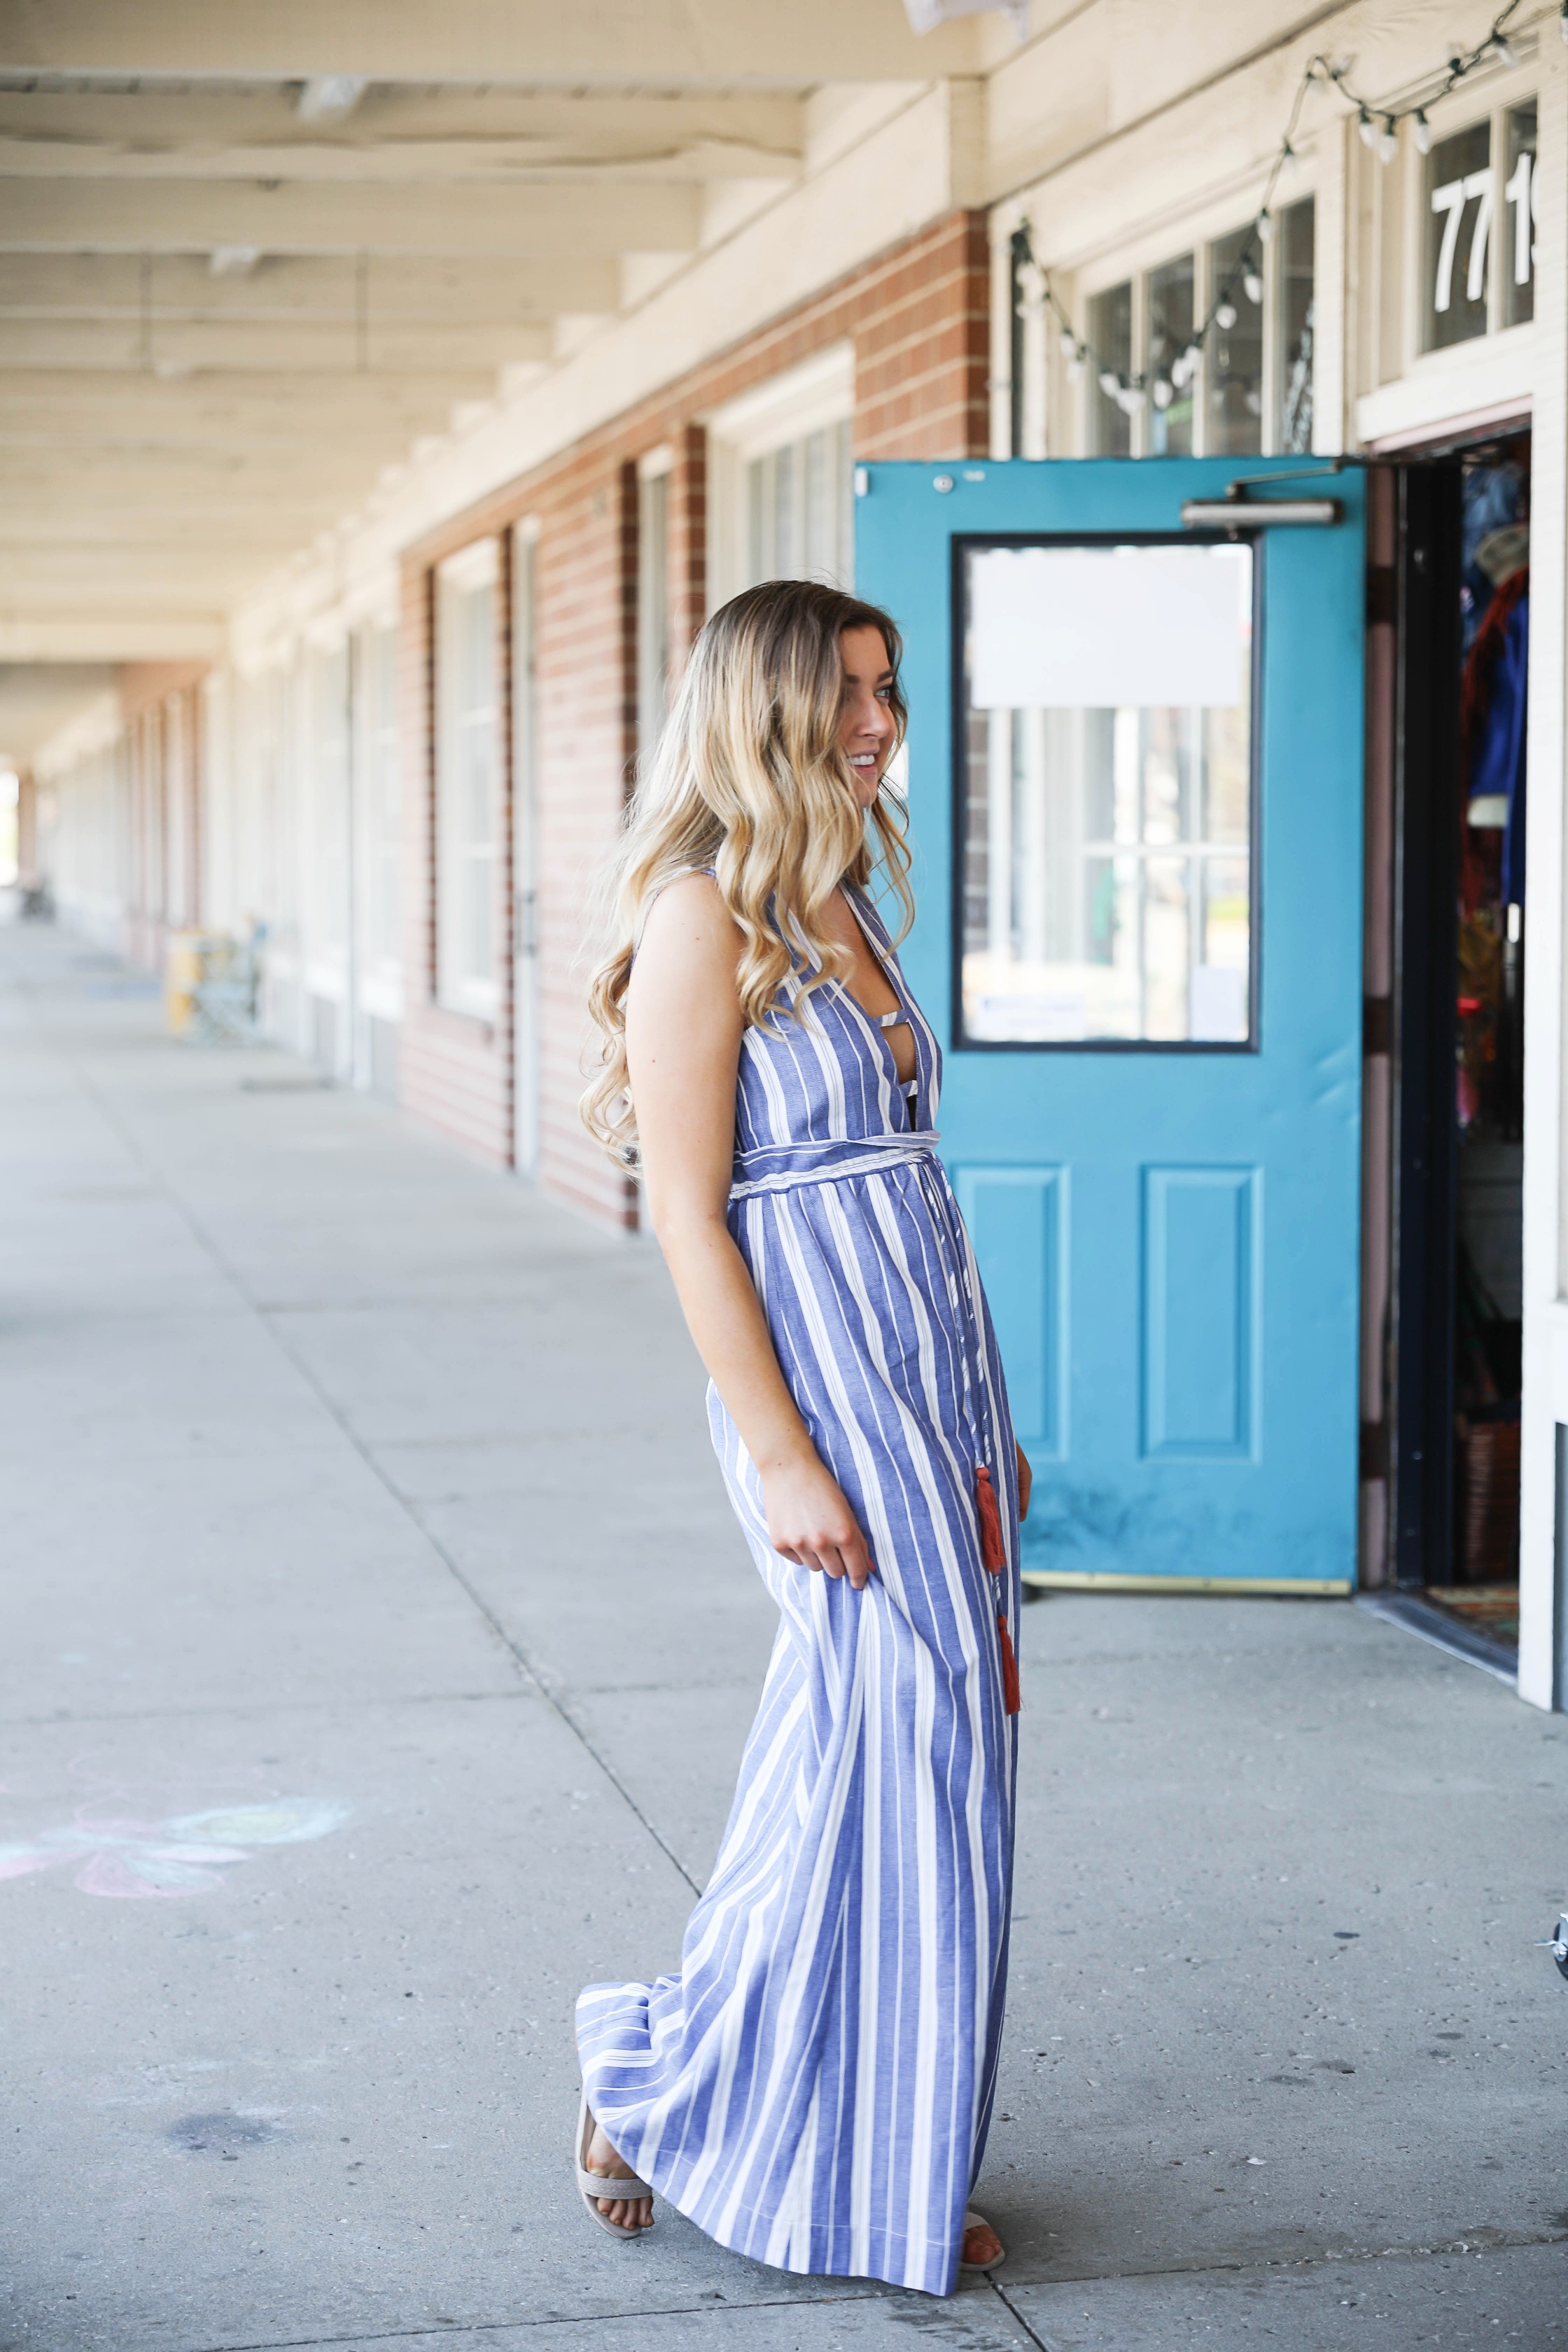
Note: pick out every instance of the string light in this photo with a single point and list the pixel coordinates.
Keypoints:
(1563, 21)
(1378, 127)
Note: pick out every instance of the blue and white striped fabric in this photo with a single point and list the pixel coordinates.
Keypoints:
(813, 2085)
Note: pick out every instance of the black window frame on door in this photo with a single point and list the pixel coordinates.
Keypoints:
(964, 544)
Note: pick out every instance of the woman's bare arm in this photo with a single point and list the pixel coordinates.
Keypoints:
(683, 1048)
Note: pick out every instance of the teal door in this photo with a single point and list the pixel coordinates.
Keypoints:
(1135, 800)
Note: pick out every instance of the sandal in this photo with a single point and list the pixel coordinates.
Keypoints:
(591, 2185)
(972, 2221)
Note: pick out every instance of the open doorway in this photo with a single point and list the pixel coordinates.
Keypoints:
(1489, 1106)
(1459, 901)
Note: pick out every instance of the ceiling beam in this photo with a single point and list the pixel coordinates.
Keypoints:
(466, 135)
(128, 407)
(129, 477)
(423, 127)
(417, 289)
(179, 635)
(181, 348)
(588, 44)
(542, 218)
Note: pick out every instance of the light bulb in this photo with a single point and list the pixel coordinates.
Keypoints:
(1289, 158)
(1368, 129)
(1421, 130)
(1131, 398)
(1563, 21)
(1109, 382)
(1225, 316)
(1253, 285)
(1265, 228)
(1388, 141)
(1254, 402)
(1503, 51)
(1181, 371)
(1164, 393)
(1075, 368)
(1067, 342)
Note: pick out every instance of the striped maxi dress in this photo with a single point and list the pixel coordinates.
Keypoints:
(813, 2085)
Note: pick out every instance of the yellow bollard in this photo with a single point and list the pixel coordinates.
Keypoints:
(184, 953)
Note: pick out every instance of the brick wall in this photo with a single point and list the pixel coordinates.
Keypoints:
(919, 318)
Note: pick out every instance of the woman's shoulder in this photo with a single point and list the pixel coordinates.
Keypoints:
(687, 906)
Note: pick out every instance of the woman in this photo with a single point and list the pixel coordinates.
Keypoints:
(813, 2085)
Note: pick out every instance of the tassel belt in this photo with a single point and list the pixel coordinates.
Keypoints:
(784, 1167)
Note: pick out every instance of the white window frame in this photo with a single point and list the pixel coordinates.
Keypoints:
(1488, 374)
(458, 989)
(379, 796)
(785, 409)
(655, 651)
(525, 763)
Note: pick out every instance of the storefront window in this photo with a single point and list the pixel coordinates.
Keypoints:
(1459, 184)
(653, 614)
(467, 762)
(1107, 824)
(1294, 328)
(1235, 359)
(799, 510)
(1110, 339)
(1168, 331)
(377, 715)
(1516, 255)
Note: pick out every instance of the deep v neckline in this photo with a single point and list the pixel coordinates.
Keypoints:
(900, 1011)
(900, 1016)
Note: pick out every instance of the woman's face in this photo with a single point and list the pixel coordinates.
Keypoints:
(865, 727)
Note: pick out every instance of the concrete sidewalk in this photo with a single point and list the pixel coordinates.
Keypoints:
(378, 1651)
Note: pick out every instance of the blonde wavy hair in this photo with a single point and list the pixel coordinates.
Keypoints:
(748, 779)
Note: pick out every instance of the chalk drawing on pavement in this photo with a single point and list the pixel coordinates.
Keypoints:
(186, 1855)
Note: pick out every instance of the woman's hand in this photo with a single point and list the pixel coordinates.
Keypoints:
(810, 1520)
(1025, 1480)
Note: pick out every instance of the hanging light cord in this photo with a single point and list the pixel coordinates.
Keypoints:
(1379, 126)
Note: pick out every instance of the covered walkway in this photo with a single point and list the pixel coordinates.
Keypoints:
(380, 1650)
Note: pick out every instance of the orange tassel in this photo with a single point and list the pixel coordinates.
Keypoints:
(1012, 1698)
(995, 1559)
(991, 1552)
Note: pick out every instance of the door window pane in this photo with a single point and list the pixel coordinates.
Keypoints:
(1234, 362)
(1107, 851)
(1110, 340)
(1516, 250)
(1169, 332)
(1294, 245)
(1459, 188)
